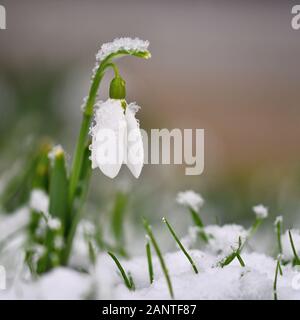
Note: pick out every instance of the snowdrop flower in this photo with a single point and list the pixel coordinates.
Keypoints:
(116, 138)
(190, 199)
(260, 211)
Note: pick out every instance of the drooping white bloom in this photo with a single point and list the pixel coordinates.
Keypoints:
(116, 138)
(190, 199)
(261, 211)
(119, 44)
(39, 201)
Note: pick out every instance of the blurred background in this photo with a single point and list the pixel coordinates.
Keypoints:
(229, 67)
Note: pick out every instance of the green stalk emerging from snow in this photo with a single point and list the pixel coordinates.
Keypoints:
(159, 255)
(180, 245)
(128, 281)
(236, 253)
(278, 228)
(149, 260)
(277, 269)
(296, 261)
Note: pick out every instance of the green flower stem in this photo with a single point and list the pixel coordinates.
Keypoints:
(84, 130)
(77, 164)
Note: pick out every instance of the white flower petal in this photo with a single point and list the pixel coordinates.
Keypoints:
(135, 149)
(109, 134)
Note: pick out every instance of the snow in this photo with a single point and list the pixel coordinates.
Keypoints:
(103, 281)
(59, 284)
(261, 211)
(39, 201)
(255, 281)
(190, 199)
(119, 44)
(286, 244)
(222, 239)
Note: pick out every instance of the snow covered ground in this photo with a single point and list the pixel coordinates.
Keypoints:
(103, 281)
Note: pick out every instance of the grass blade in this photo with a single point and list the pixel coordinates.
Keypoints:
(149, 259)
(241, 261)
(159, 255)
(296, 257)
(58, 189)
(199, 223)
(277, 270)
(127, 279)
(117, 221)
(278, 227)
(180, 245)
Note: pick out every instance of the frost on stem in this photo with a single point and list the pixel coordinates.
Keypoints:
(120, 44)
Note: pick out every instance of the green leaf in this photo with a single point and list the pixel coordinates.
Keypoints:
(80, 196)
(128, 281)
(58, 191)
(117, 218)
(33, 173)
(199, 223)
